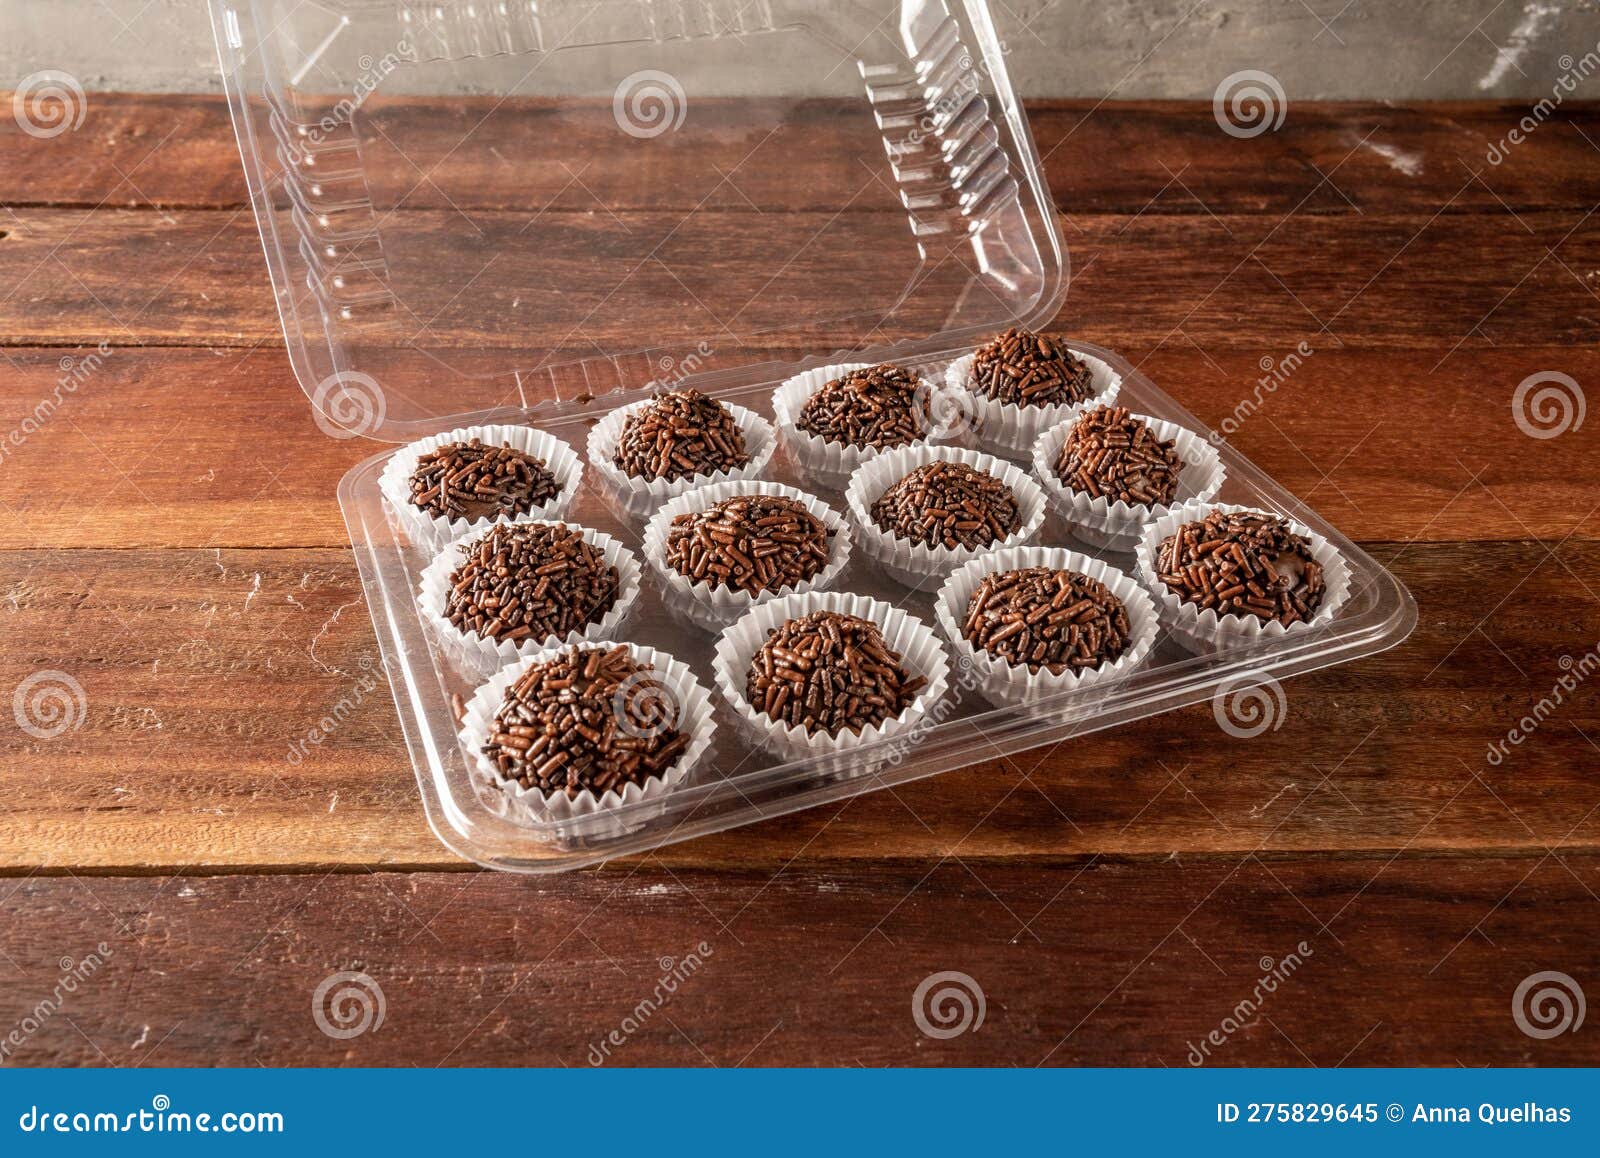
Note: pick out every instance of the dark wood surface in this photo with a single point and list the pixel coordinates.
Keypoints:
(171, 540)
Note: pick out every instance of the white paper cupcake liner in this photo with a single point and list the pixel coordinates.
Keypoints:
(919, 648)
(1203, 630)
(1010, 430)
(638, 498)
(830, 464)
(482, 656)
(432, 532)
(587, 815)
(1004, 684)
(912, 563)
(713, 608)
(1114, 524)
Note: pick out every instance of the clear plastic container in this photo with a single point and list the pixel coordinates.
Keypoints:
(631, 194)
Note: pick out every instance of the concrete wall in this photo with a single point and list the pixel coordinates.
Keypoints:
(1363, 49)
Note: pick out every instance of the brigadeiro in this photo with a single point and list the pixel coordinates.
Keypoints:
(719, 550)
(948, 504)
(1040, 620)
(1223, 570)
(921, 510)
(827, 671)
(656, 449)
(450, 484)
(679, 435)
(1109, 471)
(583, 728)
(834, 418)
(1045, 617)
(1022, 383)
(520, 586)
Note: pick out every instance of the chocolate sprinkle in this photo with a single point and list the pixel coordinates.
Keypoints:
(1028, 369)
(1110, 454)
(829, 672)
(948, 504)
(469, 480)
(875, 407)
(1045, 618)
(530, 580)
(750, 543)
(678, 435)
(1244, 563)
(589, 720)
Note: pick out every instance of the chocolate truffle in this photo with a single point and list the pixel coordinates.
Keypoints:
(1243, 563)
(749, 543)
(590, 720)
(829, 672)
(1044, 618)
(1110, 454)
(1023, 368)
(530, 580)
(948, 504)
(678, 435)
(875, 407)
(469, 480)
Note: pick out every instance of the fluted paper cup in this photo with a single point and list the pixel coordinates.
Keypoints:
(1007, 429)
(431, 532)
(481, 656)
(1204, 631)
(913, 563)
(830, 464)
(713, 608)
(1005, 684)
(1114, 524)
(586, 815)
(920, 653)
(637, 498)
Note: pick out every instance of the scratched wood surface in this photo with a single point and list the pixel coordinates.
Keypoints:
(171, 542)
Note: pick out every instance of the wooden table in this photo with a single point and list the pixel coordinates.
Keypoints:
(171, 542)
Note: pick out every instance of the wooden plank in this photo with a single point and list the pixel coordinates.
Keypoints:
(201, 669)
(1410, 962)
(187, 448)
(1100, 157)
(1242, 282)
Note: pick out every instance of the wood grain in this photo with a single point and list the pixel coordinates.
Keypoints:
(1405, 962)
(1373, 280)
(171, 543)
(191, 448)
(1161, 157)
(202, 669)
